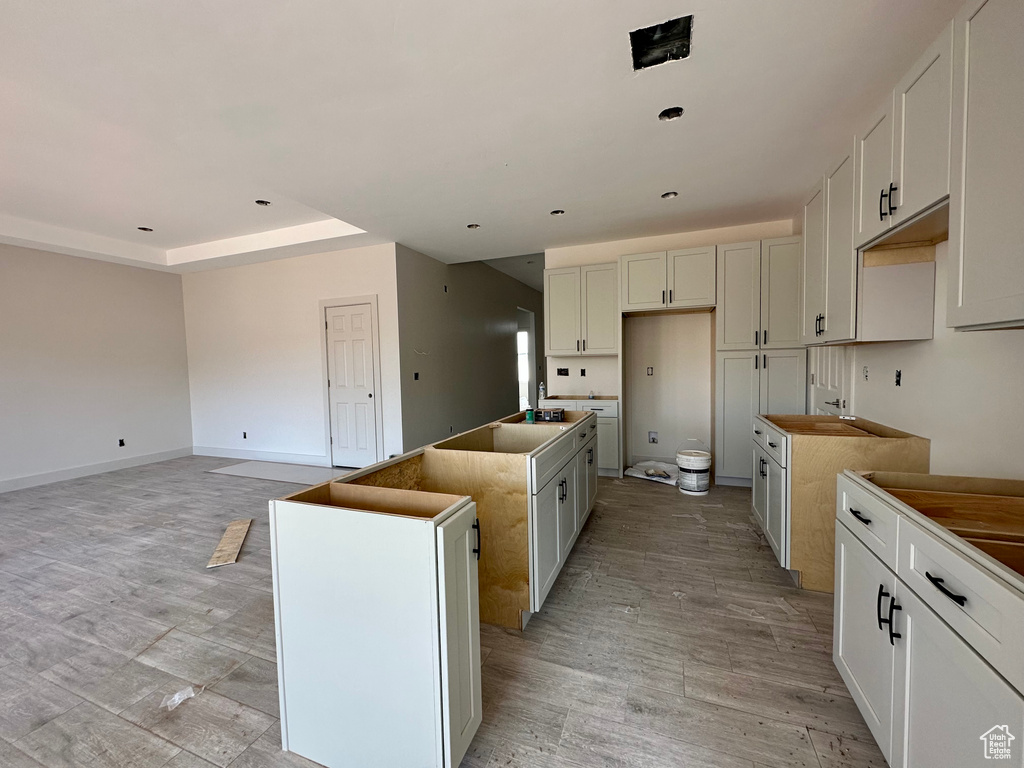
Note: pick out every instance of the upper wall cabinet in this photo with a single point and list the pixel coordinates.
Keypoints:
(812, 275)
(758, 295)
(581, 310)
(986, 228)
(838, 318)
(668, 280)
(902, 154)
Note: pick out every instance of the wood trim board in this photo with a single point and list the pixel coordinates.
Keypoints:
(230, 543)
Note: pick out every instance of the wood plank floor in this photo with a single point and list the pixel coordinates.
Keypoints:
(670, 639)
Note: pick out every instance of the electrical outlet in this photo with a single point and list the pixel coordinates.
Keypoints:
(652, 437)
(562, 371)
(120, 442)
(245, 436)
(451, 430)
(864, 372)
(416, 376)
(583, 371)
(650, 370)
(899, 376)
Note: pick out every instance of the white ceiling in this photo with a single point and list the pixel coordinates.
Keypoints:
(409, 120)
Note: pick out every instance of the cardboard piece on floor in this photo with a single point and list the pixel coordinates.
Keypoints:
(230, 543)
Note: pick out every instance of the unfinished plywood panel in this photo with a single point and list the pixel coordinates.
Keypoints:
(391, 501)
(405, 474)
(816, 460)
(524, 438)
(498, 484)
(230, 543)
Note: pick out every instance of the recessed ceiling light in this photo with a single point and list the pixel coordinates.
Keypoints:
(669, 195)
(472, 226)
(672, 113)
(558, 212)
(264, 203)
(145, 229)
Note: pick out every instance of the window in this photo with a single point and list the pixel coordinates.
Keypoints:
(523, 349)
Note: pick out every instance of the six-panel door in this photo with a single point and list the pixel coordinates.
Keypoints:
(861, 647)
(458, 540)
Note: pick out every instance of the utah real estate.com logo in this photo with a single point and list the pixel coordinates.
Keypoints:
(997, 742)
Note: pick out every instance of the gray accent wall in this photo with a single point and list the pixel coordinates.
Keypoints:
(461, 342)
(90, 353)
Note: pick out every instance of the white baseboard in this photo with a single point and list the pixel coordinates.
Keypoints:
(30, 481)
(281, 458)
(739, 482)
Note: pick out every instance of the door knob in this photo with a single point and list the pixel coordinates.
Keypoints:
(370, 395)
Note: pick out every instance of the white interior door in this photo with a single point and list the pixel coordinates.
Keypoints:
(828, 381)
(351, 373)
(459, 597)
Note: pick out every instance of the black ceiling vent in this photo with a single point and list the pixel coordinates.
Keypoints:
(660, 43)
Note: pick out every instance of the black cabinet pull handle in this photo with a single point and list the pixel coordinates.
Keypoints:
(577, 345)
(892, 192)
(584, 345)
(893, 607)
(772, 445)
(882, 213)
(878, 607)
(583, 434)
(757, 336)
(757, 362)
(590, 455)
(757, 431)
(764, 363)
(478, 545)
(662, 297)
(764, 336)
(859, 515)
(669, 295)
(937, 582)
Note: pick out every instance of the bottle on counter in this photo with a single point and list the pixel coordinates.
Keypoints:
(542, 391)
(591, 395)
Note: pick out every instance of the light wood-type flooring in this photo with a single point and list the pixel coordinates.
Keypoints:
(670, 639)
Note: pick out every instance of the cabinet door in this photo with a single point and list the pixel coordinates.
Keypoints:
(592, 467)
(780, 292)
(599, 303)
(459, 607)
(840, 311)
(736, 402)
(567, 511)
(562, 311)
(583, 495)
(986, 230)
(860, 640)
(738, 321)
(923, 112)
(783, 383)
(759, 490)
(812, 266)
(691, 277)
(608, 444)
(776, 512)
(874, 175)
(545, 540)
(643, 280)
(946, 698)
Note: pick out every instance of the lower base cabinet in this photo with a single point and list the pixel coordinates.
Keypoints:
(378, 625)
(770, 502)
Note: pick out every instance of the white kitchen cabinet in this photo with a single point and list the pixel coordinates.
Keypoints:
(567, 500)
(586, 476)
(746, 384)
(738, 321)
(759, 488)
(923, 113)
(562, 311)
(377, 617)
(860, 640)
(945, 698)
(776, 512)
(581, 310)
(903, 152)
(643, 278)
(838, 314)
(691, 277)
(608, 444)
(668, 280)
(780, 292)
(812, 277)
(758, 303)
(546, 561)
(986, 229)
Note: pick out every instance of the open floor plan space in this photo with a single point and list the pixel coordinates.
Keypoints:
(671, 638)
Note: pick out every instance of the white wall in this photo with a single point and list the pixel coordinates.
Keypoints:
(964, 391)
(603, 253)
(462, 342)
(90, 352)
(602, 375)
(256, 362)
(676, 401)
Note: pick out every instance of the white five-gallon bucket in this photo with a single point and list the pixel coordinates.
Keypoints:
(694, 469)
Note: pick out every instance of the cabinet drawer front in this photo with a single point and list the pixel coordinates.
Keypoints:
(991, 618)
(548, 462)
(875, 523)
(608, 409)
(774, 442)
(568, 405)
